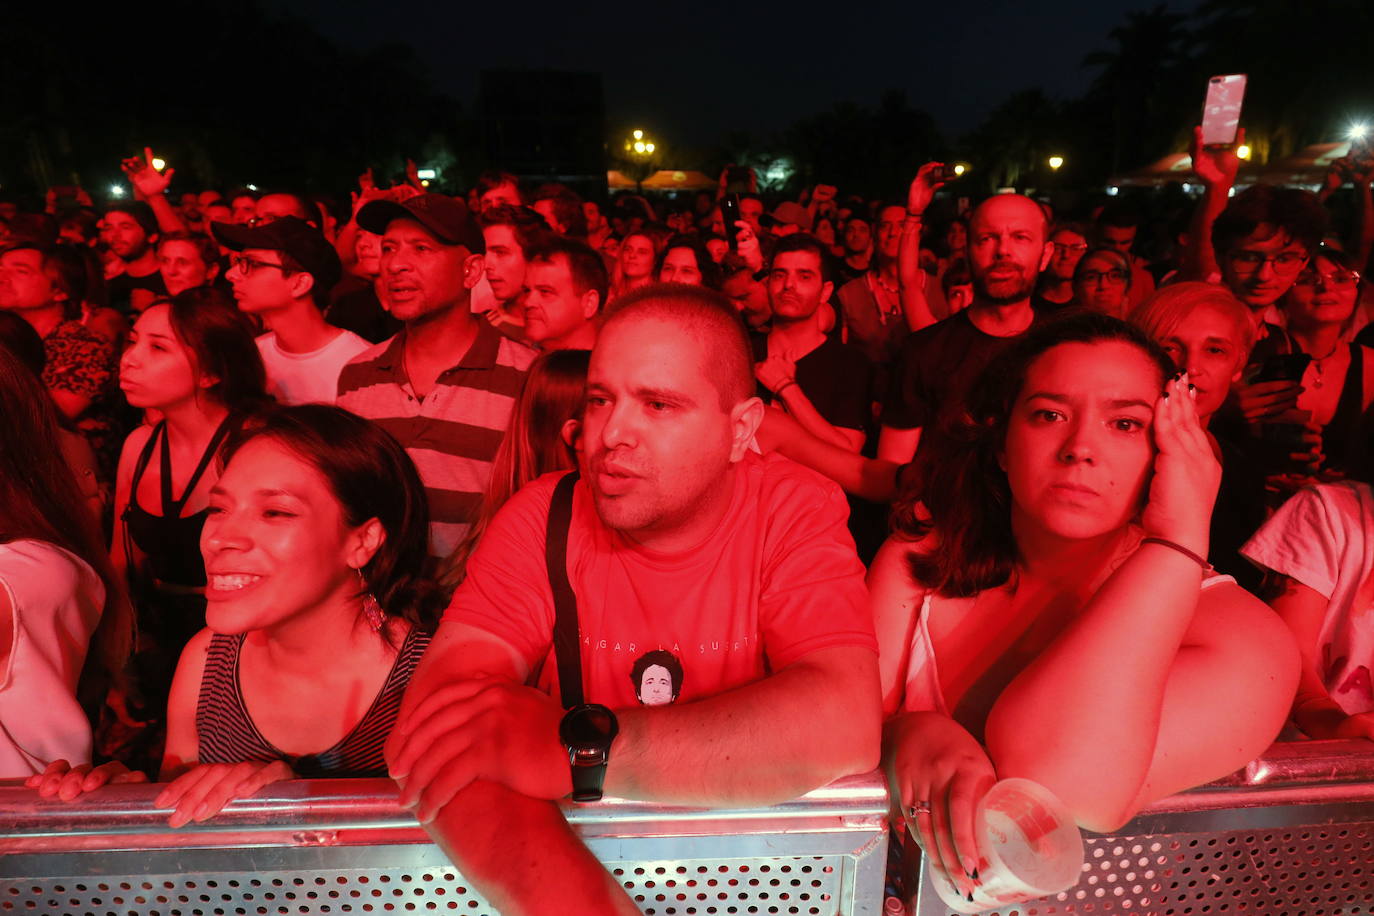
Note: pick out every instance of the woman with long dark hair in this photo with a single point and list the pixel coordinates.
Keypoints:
(1049, 613)
(58, 594)
(193, 360)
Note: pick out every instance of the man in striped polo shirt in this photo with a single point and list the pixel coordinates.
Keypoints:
(444, 386)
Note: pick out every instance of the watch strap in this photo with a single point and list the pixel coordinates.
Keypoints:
(588, 774)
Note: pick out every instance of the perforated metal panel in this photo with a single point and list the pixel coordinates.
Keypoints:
(808, 885)
(1307, 871)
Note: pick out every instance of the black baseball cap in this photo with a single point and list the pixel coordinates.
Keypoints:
(290, 235)
(446, 218)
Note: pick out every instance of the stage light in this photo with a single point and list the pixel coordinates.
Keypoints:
(638, 134)
(648, 147)
(159, 164)
(1055, 162)
(640, 146)
(1243, 152)
(116, 190)
(960, 169)
(1358, 130)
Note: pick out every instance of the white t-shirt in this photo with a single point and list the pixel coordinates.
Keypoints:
(308, 378)
(1324, 538)
(57, 601)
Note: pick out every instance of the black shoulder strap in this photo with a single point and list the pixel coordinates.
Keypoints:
(567, 640)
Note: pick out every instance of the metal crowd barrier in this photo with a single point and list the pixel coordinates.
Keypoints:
(1290, 835)
(343, 846)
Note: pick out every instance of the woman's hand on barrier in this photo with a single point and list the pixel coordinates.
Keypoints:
(67, 782)
(940, 772)
(1186, 473)
(203, 791)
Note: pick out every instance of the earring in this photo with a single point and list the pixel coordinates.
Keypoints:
(372, 611)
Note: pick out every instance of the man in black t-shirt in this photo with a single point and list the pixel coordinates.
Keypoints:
(823, 383)
(1008, 247)
(130, 232)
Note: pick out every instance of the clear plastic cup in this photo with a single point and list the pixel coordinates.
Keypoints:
(1032, 845)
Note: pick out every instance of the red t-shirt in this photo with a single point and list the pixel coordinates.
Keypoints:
(777, 579)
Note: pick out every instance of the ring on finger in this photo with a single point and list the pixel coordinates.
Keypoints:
(918, 808)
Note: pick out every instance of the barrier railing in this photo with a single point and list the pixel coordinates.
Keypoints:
(1292, 834)
(343, 846)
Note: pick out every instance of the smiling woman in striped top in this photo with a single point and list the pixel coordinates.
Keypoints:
(315, 618)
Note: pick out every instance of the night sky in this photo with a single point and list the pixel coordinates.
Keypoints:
(694, 71)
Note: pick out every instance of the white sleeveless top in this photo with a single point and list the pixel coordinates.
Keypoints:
(57, 601)
(922, 692)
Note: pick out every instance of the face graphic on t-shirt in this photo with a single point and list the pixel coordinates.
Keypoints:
(655, 686)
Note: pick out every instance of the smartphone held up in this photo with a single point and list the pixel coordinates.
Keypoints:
(1221, 110)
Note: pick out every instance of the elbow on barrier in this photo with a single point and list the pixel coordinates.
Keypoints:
(1292, 833)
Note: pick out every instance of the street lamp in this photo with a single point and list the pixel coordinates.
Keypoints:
(960, 169)
(1243, 152)
(640, 149)
(1055, 162)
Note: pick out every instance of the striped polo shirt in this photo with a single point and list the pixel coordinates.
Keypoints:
(452, 433)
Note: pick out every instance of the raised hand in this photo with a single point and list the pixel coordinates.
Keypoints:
(1186, 473)
(747, 245)
(202, 792)
(923, 188)
(1216, 168)
(147, 181)
(67, 782)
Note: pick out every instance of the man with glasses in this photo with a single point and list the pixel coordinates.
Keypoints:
(1070, 241)
(282, 272)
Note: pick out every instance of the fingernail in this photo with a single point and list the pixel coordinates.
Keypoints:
(969, 896)
(975, 874)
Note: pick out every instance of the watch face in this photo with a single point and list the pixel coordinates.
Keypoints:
(590, 725)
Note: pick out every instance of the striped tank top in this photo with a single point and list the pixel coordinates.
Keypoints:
(226, 732)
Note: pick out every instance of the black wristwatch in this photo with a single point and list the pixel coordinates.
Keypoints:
(587, 732)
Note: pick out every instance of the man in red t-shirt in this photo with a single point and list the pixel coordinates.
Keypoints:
(722, 617)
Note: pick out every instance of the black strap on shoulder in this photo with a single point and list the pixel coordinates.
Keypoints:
(567, 638)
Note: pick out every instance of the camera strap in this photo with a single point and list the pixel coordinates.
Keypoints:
(567, 638)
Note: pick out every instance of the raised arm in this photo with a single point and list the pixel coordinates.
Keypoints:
(910, 276)
(151, 185)
(1216, 169)
(869, 478)
(779, 374)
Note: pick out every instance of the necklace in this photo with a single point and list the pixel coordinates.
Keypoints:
(1317, 363)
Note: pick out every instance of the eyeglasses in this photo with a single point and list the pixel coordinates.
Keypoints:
(247, 265)
(1063, 248)
(260, 220)
(1337, 279)
(1097, 276)
(1285, 262)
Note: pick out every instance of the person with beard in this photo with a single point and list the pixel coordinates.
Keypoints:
(1008, 247)
(872, 303)
(821, 381)
(130, 232)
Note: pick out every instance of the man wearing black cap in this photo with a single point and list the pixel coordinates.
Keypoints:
(282, 271)
(445, 386)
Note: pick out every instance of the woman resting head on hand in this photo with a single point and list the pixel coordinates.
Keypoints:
(1046, 615)
(314, 613)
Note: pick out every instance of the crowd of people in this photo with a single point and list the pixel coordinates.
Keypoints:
(520, 495)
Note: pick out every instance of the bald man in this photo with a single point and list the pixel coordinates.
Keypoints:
(1008, 246)
(680, 539)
